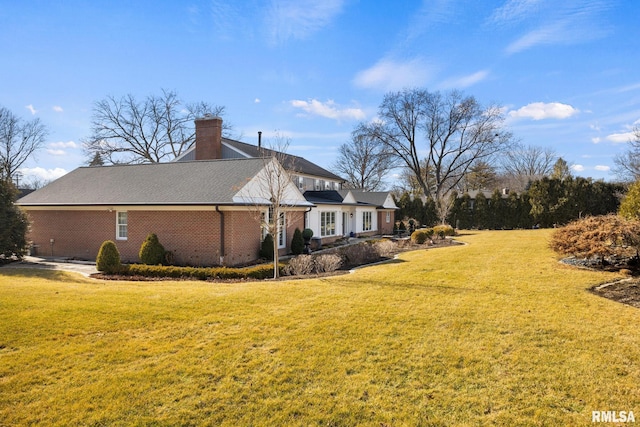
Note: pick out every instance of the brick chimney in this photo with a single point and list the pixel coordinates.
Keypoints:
(208, 138)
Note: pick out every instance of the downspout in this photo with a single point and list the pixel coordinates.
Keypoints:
(305, 218)
(221, 213)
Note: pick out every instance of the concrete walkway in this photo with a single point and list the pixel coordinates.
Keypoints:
(83, 267)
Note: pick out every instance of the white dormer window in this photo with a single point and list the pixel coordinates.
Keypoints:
(328, 185)
(317, 185)
(300, 183)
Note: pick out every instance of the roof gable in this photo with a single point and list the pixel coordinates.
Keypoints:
(381, 199)
(271, 181)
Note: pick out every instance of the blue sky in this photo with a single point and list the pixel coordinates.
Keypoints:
(566, 72)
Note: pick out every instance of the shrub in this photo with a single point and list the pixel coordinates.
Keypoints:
(169, 258)
(419, 237)
(444, 230)
(402, 227)
(300, 265)
(307, 233)
(630, 206)
(151, 252)
(13, 223)
(385, 248)
(359, 254)
(297, 242)
(598, 237)
(327, 263)
(266, 249)
(108, 259)
(200, 273)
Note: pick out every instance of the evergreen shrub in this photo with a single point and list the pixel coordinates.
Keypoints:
(152, 252)
(108, 259)
(444, 230)
(201, 273)
(266, 249)
(419, 236)
(307, 233)
(297, 242)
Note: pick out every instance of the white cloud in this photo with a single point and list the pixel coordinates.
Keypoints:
(545, 35)
(546, 22)
(61, 144)
(57, 109)
(298, 19)
(56, 152)
(388, 75)
(31, 109)
(43, 174)
(618, 138)
(602, 168)
(596, 140)
(513, 11)
(577, 168)
(328, 109)
(541, 110)
(466, 81)
(256, 101)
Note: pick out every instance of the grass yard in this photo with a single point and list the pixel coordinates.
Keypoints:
(493, 333)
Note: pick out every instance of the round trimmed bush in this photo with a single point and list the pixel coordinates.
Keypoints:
(307, 233)
(419, 237)
(444, 230)
(108, 259)
(151, 251)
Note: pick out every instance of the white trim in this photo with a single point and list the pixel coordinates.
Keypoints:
(119, 224)
(335, 219)
(174, 208)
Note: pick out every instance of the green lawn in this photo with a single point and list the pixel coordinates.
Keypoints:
(492, 333)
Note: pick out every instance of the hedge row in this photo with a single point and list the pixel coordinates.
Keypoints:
(199, 273)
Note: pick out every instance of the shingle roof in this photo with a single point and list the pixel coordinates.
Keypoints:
(377, 198)
(186, 183)
(289, 161)
(327, 197)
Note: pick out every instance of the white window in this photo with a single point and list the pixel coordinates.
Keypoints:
(328, 185)
(366, 221)
(300, 183)
(327, 224)
(282, 228)
(388, 217)
(122, 227)
(317, 185)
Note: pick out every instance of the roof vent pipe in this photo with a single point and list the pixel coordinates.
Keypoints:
(259, 139)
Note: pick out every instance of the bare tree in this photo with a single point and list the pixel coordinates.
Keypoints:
(524, 164)
(19, 140)
(274, 197)
(627, 164)
(158, 128)
(364, 162)
(451, 131)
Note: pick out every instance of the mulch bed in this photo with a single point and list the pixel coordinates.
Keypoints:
(626, 291)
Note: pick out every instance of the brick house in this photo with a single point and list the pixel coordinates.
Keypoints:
(205, 206)
(336, 213)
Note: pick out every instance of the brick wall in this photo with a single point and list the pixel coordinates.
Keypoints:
(385, 227)
(193, 236)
